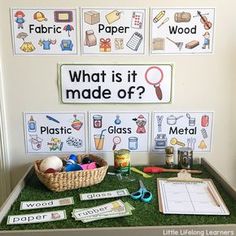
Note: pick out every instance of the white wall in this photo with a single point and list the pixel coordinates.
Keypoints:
(200, 82)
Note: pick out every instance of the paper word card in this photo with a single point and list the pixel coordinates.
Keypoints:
(55, 132)
(44, 31)
(110, 131)
(113, 31)
(149, 83)
(39, 217)
(182, 30)
(182, 129)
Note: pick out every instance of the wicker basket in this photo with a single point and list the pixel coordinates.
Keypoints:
(62, 181)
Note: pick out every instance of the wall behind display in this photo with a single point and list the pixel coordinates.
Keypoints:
(201, 83)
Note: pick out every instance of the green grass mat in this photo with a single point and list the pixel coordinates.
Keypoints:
(143, 215)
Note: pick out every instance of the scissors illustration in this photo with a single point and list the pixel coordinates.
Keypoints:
(143, 194)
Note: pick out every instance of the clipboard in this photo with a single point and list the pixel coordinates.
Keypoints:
(189, 196)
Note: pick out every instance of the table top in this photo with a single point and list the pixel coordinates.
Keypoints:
(145, 214)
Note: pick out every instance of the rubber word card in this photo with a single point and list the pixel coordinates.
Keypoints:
(121, 130)
(44, 31)
(182, 30)
(182, 129)
(115, 83)
(113, 31)
(55, 132)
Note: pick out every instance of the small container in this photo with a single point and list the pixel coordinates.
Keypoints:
(97, 121)
(31, 124)
(122, 161)
(133, 143)
(170, 157)
(185, 158)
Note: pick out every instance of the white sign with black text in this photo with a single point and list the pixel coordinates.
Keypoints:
(149, 83)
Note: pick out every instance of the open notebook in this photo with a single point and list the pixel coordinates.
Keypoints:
(190, 196)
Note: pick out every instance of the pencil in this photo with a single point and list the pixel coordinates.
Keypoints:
(212, 195)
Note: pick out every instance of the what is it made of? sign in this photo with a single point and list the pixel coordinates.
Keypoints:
(149, 83)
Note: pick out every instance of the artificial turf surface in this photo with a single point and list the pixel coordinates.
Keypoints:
(144, 214)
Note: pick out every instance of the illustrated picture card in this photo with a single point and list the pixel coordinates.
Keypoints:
(55, 132)
(182, 129)
(148, 83)
(44, 31)
(113, 31)
(182, 30)
(118, 130)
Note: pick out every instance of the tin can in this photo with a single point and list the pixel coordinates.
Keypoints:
(185, 158)
(122, 161)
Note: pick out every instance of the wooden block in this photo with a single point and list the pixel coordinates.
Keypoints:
(192, 44)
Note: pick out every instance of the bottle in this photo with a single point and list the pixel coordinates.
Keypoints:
(169, 159)
(31, 124)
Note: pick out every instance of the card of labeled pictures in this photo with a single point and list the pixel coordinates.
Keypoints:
(55, 132)
(113, 31)
(43, 31)
(118, 130)
(182, 30)
(182, 129)
(190, 198)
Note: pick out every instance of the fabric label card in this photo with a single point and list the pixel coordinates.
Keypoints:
(44, 31)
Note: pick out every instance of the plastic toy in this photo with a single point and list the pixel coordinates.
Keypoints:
(51, 162)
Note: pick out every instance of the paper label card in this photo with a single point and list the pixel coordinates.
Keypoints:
(55, 132)
(28, 205)
(121, 130)
(44, 31)
(36, 218)
(102, 195)
(149, 83)
(182, 30)
(113, 31)
(182, 129)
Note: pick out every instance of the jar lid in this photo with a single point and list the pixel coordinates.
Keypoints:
(185, 149)
(169, 150)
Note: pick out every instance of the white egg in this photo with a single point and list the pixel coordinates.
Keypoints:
(52, 162)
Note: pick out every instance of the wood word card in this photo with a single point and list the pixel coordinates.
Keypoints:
(110, 131)
(39, 217)
(28, 205)
(55, 132)
(149, 83)
(182, 129)
(182, 30)
(113, 31)
(44, 31)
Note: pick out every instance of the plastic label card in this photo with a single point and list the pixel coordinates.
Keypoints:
(55, 132)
